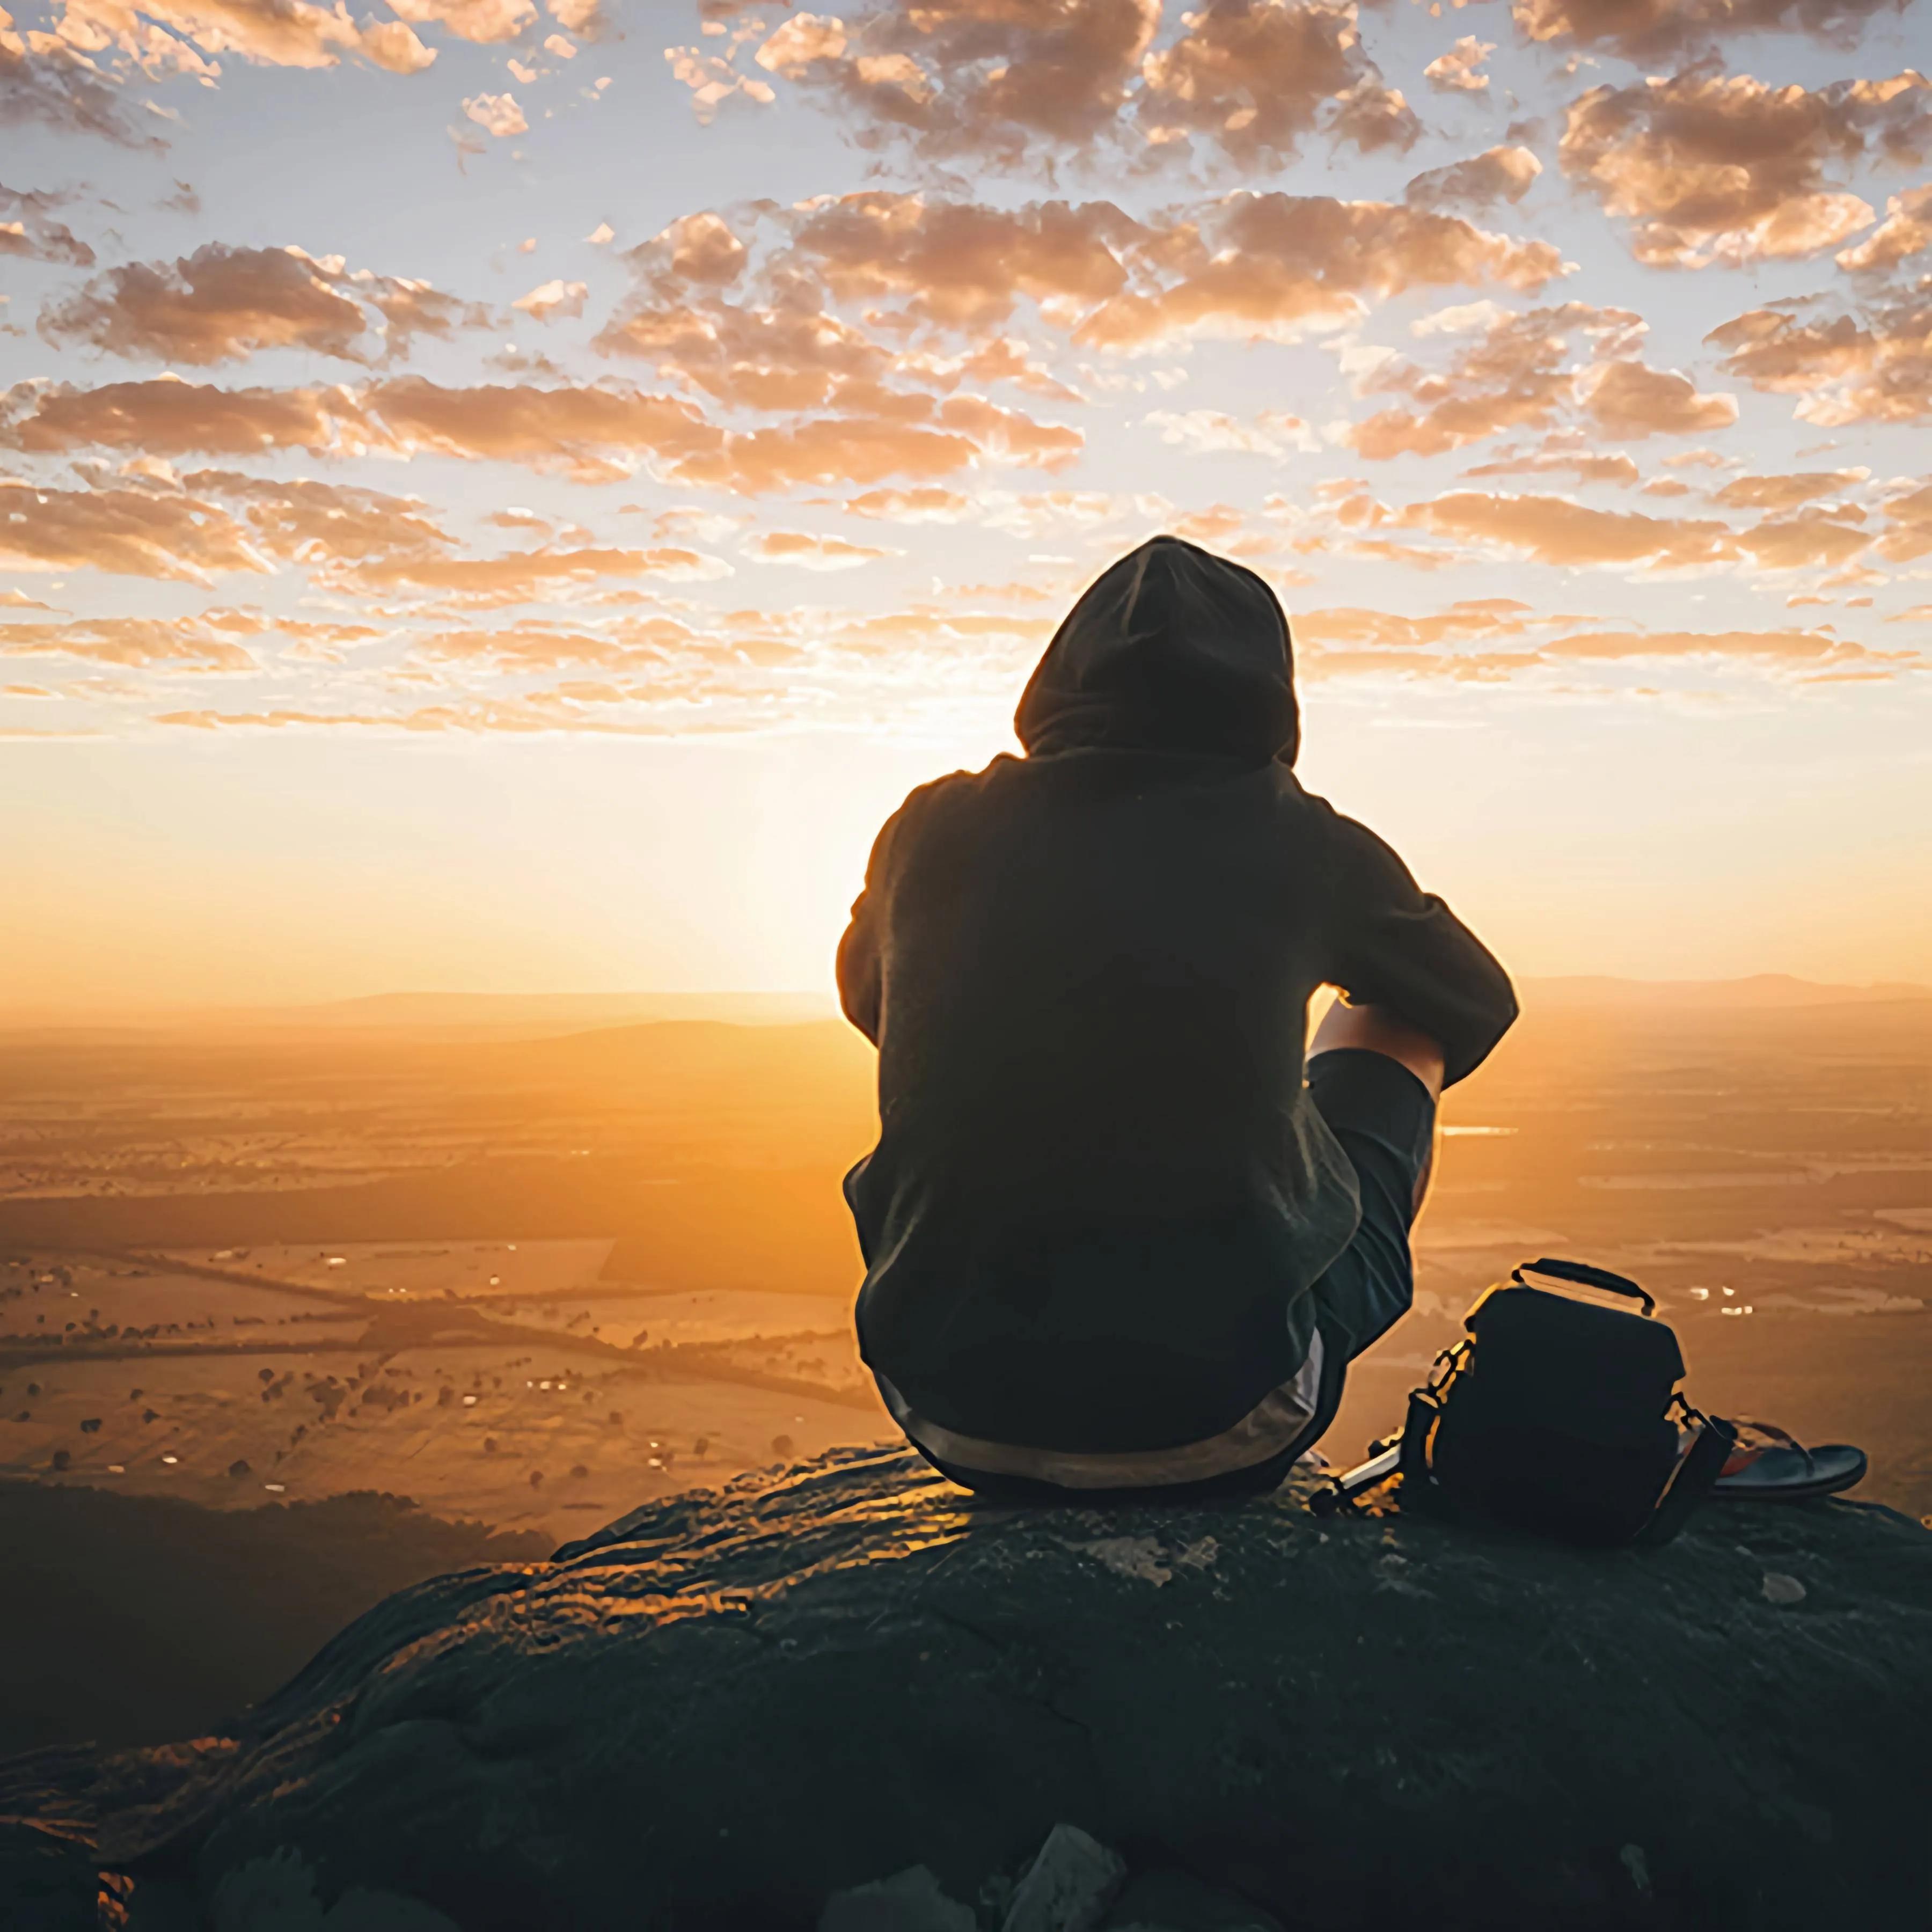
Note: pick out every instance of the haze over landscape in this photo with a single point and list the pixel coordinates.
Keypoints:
(501, 503)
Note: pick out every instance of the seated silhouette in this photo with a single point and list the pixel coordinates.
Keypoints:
(1125, 1225)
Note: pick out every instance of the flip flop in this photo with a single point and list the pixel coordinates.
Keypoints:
(1776, 1467)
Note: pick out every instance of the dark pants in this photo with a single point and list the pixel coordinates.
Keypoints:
(1385, 1121)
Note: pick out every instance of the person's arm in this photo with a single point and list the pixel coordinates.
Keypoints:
(858, 966)
(1393, 946)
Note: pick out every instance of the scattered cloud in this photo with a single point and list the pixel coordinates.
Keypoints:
(129, 531)
(1474, 186)
(224, 304)
(1459, 71)
(497, 114)
(1645, 29)
(45, 80)
(812, 553)
(208, 642)
(1905, 231)
(1869, 363)
(998, 84)
(33, 234)
(551, 300)
(1712, 167)
(1628, 401)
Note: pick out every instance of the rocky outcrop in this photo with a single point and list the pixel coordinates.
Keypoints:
(772, 1705)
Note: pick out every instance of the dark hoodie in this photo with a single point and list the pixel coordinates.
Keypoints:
(1100, 1193)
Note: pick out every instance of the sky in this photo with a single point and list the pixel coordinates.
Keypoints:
(509, 500)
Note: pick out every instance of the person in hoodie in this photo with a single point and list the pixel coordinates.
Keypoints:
(1125, 1225)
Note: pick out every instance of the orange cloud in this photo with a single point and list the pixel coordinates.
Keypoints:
(1585, 467)
(1907, 230)
(1273, 266)
(1712, 167)
(1910, 532)
(130, 531)
(1872, 366)
(34, 235)
(1629, 401)
(44, 79)
(812, 553)
(1254, 78)
(188, 36)
(1639, 29)
(1458, 70)
(1779, 494)
(221, 304)
(1003, 84)
(1812, 537)
(1472, 186)
(204, 644)
(1553, 530)
(168, 417)
(1517, 375)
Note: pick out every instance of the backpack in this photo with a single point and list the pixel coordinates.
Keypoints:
(1561, 1416)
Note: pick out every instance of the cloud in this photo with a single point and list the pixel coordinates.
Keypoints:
(223, 304)
(1779, 494)
(188, 36)
(1709, 167)
(1455, 71)
(208, 642)
(33, 234)
(1006, 85)
(45, 80)
(169, 417)
(812, 553)
(549, 300)
(1630, 401)
(1254, 78)
(521, 576)
(1481, 182)
(302, 520)
(1585, 466)
(497, 114)
(485, 21)
(1273, 267)
(930, 505)
(1873, 364)
(1212, 432)
(130, 532)
(1908, 531)
(1517, 374)
(1812, 537)
(1642, 29)
(1907, 230)
(1554, 530)
(588, 433)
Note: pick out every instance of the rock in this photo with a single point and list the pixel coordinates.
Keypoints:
(1067, 1887)
(909, 1901)
(736, 1708)
(1175, 1901)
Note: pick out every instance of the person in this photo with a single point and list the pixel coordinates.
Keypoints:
(1124, 1226)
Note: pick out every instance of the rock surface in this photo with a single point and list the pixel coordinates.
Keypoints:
(743, 1708)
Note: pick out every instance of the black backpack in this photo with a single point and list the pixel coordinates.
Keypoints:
(1560, 1416)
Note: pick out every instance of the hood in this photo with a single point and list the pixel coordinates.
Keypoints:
(1171, 649)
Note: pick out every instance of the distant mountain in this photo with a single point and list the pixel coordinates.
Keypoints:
(1761, 990)
(506, 1015)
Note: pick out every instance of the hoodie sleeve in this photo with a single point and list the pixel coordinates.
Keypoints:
(1393, 945)
(858, 961)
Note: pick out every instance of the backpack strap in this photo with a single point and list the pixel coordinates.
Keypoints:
(1700, 1467)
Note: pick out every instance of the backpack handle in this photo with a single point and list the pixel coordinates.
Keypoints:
(1585, 1277)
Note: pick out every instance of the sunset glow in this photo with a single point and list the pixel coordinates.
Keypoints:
(510, 500)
